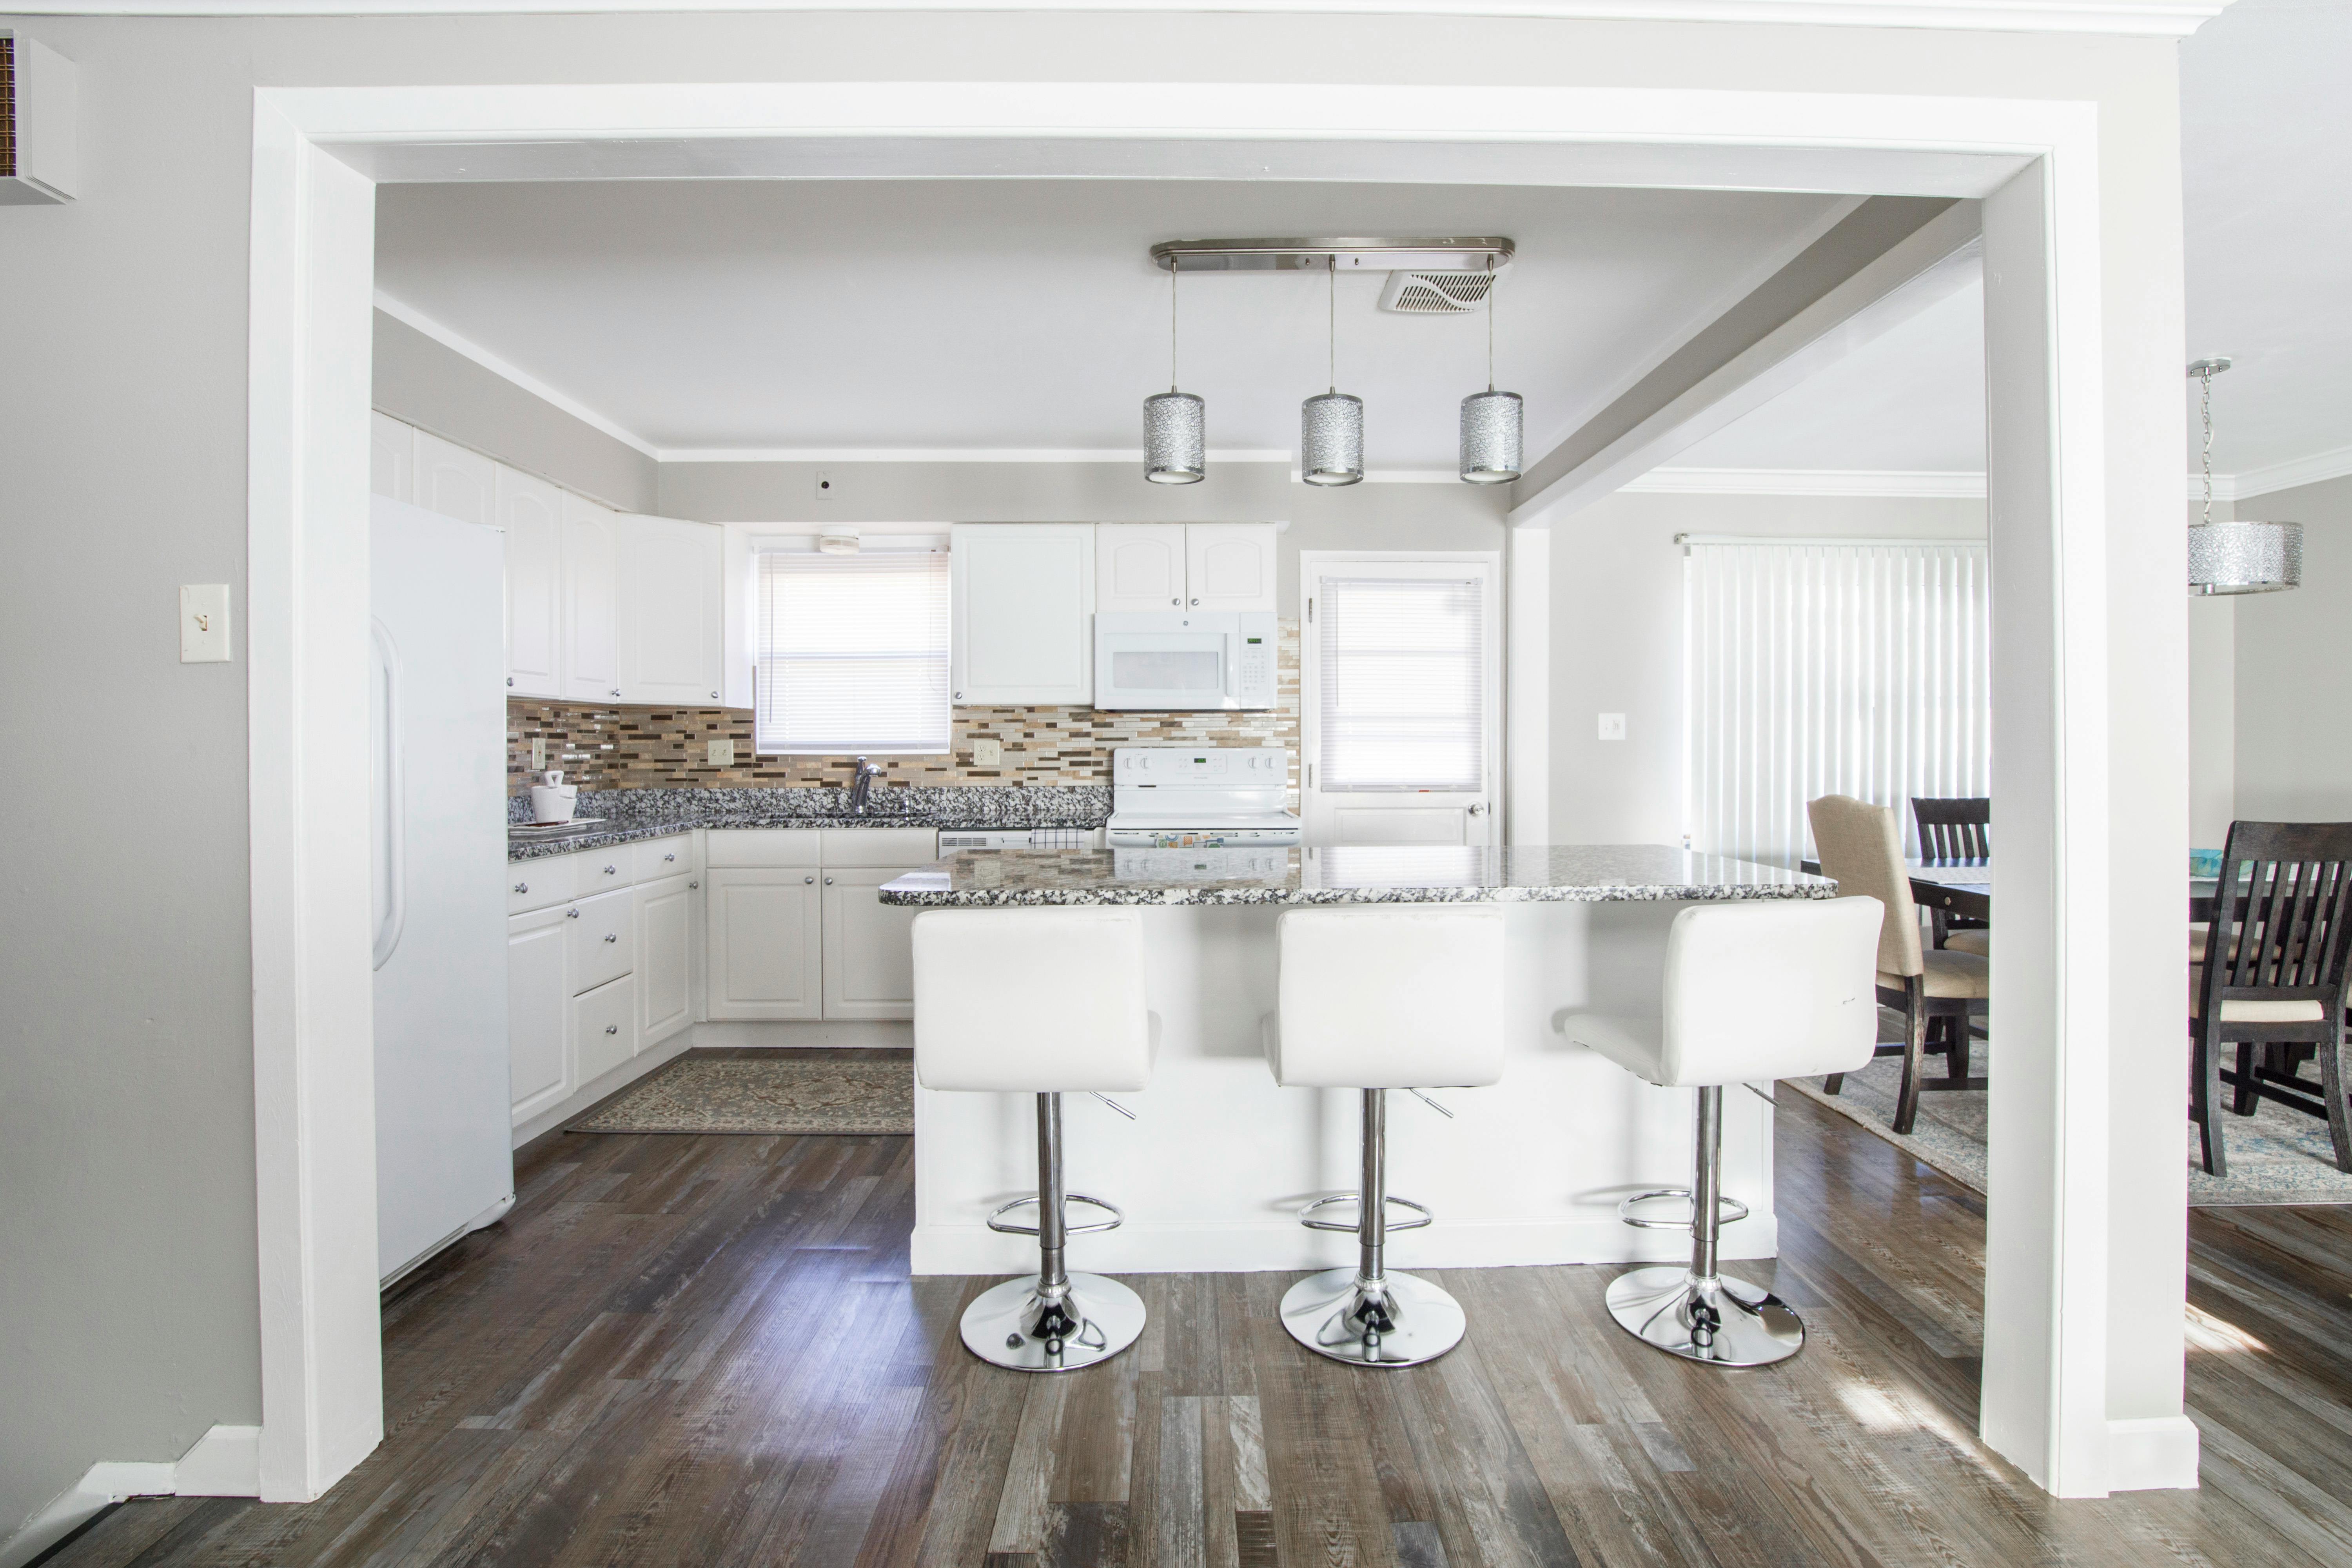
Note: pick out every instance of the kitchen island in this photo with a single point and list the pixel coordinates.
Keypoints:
(1215, 1167)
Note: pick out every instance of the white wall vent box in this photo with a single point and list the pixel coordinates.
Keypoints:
(40, 99)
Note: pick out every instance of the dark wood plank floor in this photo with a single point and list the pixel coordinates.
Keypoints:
(707, 1351)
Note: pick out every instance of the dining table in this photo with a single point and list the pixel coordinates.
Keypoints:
(1964, 888)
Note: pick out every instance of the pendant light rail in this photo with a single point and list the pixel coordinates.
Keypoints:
(1443, 254)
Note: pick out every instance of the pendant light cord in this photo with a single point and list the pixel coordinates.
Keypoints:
(1331, 336)
(1173, 265)
(1490, 323)
(2205, 400)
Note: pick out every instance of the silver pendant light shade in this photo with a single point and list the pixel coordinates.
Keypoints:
(1175, 439)
(2237, 557)
(1332, 424)
(1492, 422)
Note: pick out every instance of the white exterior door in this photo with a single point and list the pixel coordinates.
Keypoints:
(454, 481)
(591, 570)
(532, 512)
(1229, 566)
(538, 1010)
(671, 634)
(1138, 566)
(765, 942)
(1401, 698)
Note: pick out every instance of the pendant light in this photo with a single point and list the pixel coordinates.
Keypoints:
(1491, 420)
(1175, 424)
(1331, 425)
(2237, 557)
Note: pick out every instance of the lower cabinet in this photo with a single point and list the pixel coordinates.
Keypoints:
(869, 958)
(664, 943)
(604, 1025)
(538, 1006)
(766, 938)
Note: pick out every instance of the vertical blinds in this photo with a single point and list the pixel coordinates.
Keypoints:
(853, 652)
(1400, 668)
(1819, 669)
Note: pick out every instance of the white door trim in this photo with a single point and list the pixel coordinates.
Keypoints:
(2047, 1384)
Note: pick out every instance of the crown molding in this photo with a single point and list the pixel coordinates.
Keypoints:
(2311, 470)
(1888, 483)
(937, 455)
(457, 342)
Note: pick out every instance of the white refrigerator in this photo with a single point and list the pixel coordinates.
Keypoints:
(444, 1161)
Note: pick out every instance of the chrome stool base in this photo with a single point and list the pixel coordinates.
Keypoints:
(1010, 1325)
(1401, 1322)
(1727, 1322)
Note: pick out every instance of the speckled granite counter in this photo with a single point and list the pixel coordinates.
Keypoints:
(625, 815)
(1542, 873)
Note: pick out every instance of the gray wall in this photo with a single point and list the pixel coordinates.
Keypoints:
(436, 388)
(2292, 683)
(1616, 639)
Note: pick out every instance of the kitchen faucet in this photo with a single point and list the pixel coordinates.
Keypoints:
(863, 787)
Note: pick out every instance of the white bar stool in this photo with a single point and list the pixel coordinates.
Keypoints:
(1754, 992)
(1378, 997)
(1039, 1000)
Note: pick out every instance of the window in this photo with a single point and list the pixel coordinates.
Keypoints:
(852, 651)
(1815, 667)
(1403, 683)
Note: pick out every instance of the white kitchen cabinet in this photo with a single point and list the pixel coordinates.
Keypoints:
(592, 610)
(1022, 627)
(869, 960)
(670, 619)
(604, 1027)
(532, 512)
(665, 958)
(765, 940)
(1229, 566)
(392, 457)
(539, 1012)
(602, 940)
(1138, 566)
(454, 481)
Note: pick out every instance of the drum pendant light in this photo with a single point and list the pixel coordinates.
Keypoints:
(1491, 422)
(2237, 557)
(1175, 424)
(1331, 425)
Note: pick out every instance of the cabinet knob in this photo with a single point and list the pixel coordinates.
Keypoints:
(612, 870)
(714, 697)
(694, 884)
(510, 681)
(523, 887)
(1175, 601)
(612, 1029)
(616, 691)
(610, 936)
(958, 696)
(572, 914)
(1195, 603)
(828, 882)
(807, 879)
(671, 856)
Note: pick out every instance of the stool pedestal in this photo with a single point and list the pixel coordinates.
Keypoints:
(1368, 1315)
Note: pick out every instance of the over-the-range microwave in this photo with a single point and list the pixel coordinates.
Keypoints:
(1175, 661)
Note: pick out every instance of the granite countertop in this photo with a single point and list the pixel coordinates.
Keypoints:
(1568, 873)
(625, 815)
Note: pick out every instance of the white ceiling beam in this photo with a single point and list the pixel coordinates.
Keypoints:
(1875, 270)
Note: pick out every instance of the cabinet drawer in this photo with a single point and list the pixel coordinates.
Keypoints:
(540, 884)
(604, 1027)
(899, 847)
(601, 870)
(598, 945)
(656, 859)
(762, 847)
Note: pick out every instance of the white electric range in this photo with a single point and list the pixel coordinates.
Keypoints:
(1200, 797)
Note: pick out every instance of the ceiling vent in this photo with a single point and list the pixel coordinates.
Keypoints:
(1436, 293)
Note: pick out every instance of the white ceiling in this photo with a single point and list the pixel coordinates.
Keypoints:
(1025, 315)
(2266, 131)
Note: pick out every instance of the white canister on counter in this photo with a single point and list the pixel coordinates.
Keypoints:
(552, 800)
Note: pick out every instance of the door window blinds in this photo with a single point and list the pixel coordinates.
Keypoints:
(1814, 669)
(1402, 679)
(853, 652)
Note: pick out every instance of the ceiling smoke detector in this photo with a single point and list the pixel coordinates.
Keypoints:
(1436, 293)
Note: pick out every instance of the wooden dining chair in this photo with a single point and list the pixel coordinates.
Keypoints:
(1956, 829)
(2267, 974)
(1861, 846)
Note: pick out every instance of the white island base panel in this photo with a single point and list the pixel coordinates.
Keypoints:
(1212, 1171)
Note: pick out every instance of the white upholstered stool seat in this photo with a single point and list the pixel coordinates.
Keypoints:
(1375, 997)
(1039, 1000)
(1753, 992)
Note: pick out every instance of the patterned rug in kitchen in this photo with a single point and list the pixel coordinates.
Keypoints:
(770, 1095)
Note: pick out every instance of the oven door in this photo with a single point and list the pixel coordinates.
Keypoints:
(1167, 670)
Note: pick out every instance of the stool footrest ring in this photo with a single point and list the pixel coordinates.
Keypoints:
(1306, 1211)
(1727, 1210)
(1118, 1216)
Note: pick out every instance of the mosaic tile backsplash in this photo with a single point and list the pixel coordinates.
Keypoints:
(603, 747)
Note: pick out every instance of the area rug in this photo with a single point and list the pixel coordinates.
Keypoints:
(2276, 1155)
(780, 1094)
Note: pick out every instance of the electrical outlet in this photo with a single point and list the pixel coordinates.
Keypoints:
(721, 753)
(988, 754)
(538, 753)
(1612, 726)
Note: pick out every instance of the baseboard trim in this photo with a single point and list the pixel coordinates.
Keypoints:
(2156, 1453)
(854, 1033)
(584, 1099)
(225, 1462)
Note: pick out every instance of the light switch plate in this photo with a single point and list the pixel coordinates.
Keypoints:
(721, 753)
(203, 623)
(1612, 726)
(538, 753)
(988, 754)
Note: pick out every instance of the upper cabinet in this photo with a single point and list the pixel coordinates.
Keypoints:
(592, 607)
(454, 481)
(1022, 630)
(1209, 566)
(671, 635)
(532, 512)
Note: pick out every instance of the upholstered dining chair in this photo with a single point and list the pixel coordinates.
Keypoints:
(1956, 828)
(1861, 846)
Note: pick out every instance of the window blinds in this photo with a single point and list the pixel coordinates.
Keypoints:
(1822, 669)
(853, 652)
(1403, 700)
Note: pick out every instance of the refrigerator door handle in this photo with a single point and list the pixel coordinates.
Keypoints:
(396, 810)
